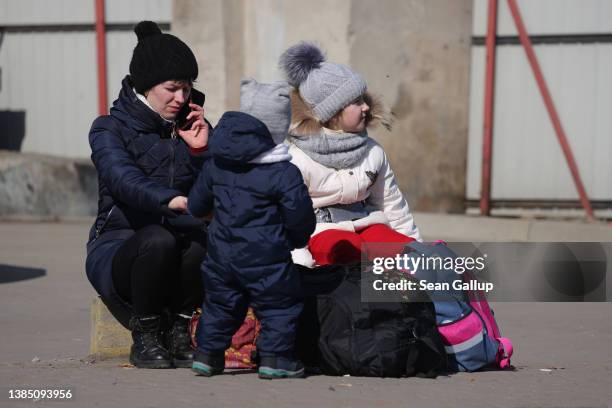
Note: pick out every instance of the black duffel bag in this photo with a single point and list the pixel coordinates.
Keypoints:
(341, 335)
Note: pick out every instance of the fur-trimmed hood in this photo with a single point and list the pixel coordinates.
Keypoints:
(304, 123)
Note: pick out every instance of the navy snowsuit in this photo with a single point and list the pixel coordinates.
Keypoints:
(261, 213)
(140, 168)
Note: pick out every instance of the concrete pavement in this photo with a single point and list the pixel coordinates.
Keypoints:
(563, 356)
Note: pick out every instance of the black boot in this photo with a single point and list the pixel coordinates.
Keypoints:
(179, 342)
(147, 350)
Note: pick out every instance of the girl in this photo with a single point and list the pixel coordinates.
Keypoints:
(353, 188)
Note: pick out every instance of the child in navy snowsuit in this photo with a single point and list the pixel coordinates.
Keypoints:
(262, 211)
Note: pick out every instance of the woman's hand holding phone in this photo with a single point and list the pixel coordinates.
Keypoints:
(195, 130)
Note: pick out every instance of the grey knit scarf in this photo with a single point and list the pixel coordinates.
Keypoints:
(338, 150)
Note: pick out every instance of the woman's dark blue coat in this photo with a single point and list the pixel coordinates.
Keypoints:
(141, 167)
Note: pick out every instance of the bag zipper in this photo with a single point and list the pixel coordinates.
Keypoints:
(173, 137)
(101, 227)
(470, 311)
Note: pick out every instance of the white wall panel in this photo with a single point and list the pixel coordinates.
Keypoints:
(52, 78)
(118, 61)
(32, 12)
(528, 162)
(121, 11)
(548, 17)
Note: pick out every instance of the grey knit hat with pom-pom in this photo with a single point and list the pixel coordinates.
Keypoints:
(326, 87)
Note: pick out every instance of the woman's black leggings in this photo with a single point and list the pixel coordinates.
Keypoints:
(155, 269)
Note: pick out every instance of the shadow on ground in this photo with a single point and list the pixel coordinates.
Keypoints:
(11, 273)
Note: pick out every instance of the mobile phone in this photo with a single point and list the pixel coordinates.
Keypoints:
(196, 97)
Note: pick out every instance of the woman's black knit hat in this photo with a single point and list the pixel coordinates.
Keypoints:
(159, 57)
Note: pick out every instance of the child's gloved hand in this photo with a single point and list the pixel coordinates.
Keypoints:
(302, 256)
(376, 217)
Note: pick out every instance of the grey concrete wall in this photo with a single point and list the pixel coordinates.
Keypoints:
(214, 31)
(415, 54)
(38, 185)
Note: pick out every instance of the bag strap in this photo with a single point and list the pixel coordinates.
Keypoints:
(504, 352)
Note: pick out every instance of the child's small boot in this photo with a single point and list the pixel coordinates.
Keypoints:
(208, 364)
(277, 366)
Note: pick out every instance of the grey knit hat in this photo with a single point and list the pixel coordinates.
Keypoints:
(269, 103)
(326, 87)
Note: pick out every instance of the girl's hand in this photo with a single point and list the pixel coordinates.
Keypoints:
(376, 217)
(302, 256)
(178, 203)
(195, 132)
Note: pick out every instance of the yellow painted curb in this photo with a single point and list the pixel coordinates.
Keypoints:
(108, 337)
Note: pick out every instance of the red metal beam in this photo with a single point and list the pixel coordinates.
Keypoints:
(101, 57)
(487, 134)
(550, 107)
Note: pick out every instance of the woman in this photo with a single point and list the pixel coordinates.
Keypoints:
(144, 250)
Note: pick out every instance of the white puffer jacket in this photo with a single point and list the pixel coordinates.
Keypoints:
(371, 181)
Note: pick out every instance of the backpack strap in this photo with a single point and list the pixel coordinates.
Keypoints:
(504, 352)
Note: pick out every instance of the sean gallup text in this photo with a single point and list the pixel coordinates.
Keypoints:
(457, 285)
